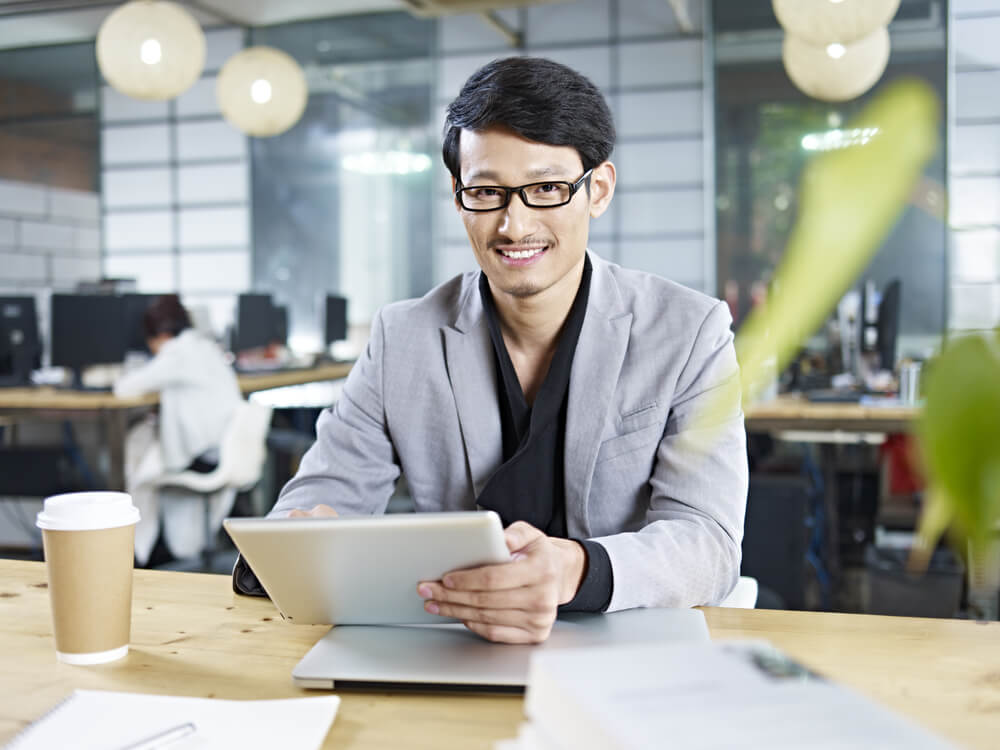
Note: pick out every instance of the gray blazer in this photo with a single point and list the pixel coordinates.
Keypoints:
(668, 509)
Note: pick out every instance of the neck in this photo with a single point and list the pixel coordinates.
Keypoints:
(532, 324)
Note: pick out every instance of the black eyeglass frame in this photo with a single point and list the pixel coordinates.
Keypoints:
(509, 191)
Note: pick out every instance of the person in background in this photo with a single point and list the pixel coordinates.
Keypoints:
(198, 396)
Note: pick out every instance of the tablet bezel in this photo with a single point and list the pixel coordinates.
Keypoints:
(363, 570)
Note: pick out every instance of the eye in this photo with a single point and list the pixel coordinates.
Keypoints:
(483, 192)
(545, 187)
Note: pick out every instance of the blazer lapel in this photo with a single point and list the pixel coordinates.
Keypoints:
(600, 352)
(472, 373)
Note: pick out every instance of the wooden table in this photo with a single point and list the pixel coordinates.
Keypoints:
(794, 412)
(112, 413)
(192, 636)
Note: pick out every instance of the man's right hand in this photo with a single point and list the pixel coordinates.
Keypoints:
(319, 511)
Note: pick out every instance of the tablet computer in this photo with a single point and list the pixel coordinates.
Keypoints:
(363, 570)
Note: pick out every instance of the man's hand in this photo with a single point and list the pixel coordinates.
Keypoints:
(317, 511)
(513, 602)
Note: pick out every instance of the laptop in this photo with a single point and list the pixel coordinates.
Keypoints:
(452, 658)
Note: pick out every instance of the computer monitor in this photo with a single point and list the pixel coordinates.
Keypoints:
(336, 318)
(279, 325)
(134, 308)
(879, 327)
(888, 324)
(20, 348)
(87, 330)
(254, 322)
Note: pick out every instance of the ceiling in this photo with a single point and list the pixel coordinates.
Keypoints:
(26, 23)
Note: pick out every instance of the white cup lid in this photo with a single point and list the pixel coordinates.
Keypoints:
(84, 511)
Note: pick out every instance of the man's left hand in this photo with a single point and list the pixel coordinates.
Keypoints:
(513, 602)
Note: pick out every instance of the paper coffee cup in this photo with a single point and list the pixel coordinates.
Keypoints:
(88, 539)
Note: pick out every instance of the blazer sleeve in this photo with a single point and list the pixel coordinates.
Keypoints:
(352, 466)
(688, 553)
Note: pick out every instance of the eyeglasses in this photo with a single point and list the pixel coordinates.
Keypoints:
(534, 194)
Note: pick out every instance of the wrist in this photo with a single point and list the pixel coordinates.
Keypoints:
(572, 569)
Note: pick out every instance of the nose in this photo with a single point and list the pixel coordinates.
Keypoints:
(518, 220)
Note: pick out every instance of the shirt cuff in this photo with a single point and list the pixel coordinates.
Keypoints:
(594, 594)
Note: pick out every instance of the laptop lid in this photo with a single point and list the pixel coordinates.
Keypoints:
(451, 657)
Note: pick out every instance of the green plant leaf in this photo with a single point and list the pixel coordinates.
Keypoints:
(959, 432)
(849, 201)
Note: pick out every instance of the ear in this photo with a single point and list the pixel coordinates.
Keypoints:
(602, 188)
(454, 196)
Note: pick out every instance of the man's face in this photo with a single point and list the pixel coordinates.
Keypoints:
(554, 239)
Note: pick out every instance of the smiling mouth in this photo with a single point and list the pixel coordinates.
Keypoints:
(521, 253)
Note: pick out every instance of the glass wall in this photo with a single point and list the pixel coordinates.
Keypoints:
(49, 171)
(48, 116)
(766, 131)
(342, 201)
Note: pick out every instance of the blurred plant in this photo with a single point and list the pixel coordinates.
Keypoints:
(959, 433)
(849, 200)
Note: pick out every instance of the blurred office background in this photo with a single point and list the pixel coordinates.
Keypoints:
(354, 200)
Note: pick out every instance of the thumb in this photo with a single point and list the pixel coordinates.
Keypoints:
(519, 535)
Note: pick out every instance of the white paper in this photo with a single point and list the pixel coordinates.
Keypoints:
(105, 720)
(717, 696)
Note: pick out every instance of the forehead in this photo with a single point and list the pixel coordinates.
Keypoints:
(503, 156)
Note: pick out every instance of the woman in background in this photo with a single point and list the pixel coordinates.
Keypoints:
(198, 397)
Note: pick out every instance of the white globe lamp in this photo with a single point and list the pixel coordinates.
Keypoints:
(822, 22)
(262, 91)
(150, 49)
(836, 72)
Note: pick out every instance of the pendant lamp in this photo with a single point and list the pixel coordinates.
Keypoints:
(150, 49)
(822, 22)
(836, 72)
(262, 91)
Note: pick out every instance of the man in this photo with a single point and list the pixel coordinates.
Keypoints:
(558, 389)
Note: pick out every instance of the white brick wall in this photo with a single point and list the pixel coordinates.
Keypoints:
(974, 167)
(49, 237)
(176, 183)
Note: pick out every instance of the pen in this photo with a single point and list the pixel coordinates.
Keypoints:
(164, 738)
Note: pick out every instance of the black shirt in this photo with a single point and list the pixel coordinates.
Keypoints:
(530, 484)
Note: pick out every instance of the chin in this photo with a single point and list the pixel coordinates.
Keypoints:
(523, 290)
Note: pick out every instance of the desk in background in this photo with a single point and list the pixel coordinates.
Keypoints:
(792, 417)
(192, 636)
(111, 413)
(794, 412)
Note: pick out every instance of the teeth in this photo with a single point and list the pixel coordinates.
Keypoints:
(522, 254)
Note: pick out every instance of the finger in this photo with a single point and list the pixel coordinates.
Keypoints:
(525, 598)
(506, 633)
(318, 511)
(512, 575)
(520, 534)
(513, 617)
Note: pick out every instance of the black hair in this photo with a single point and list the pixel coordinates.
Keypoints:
(165, 314)
(536, 98)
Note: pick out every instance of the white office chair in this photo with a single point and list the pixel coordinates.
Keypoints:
(241, 459)
(743, 595)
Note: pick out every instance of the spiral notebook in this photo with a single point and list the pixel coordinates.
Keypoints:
(104, 720)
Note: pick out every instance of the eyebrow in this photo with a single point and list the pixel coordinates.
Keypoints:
(534, 174)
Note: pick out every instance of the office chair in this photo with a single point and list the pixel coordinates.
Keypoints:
(241, 460)
(743, 595)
